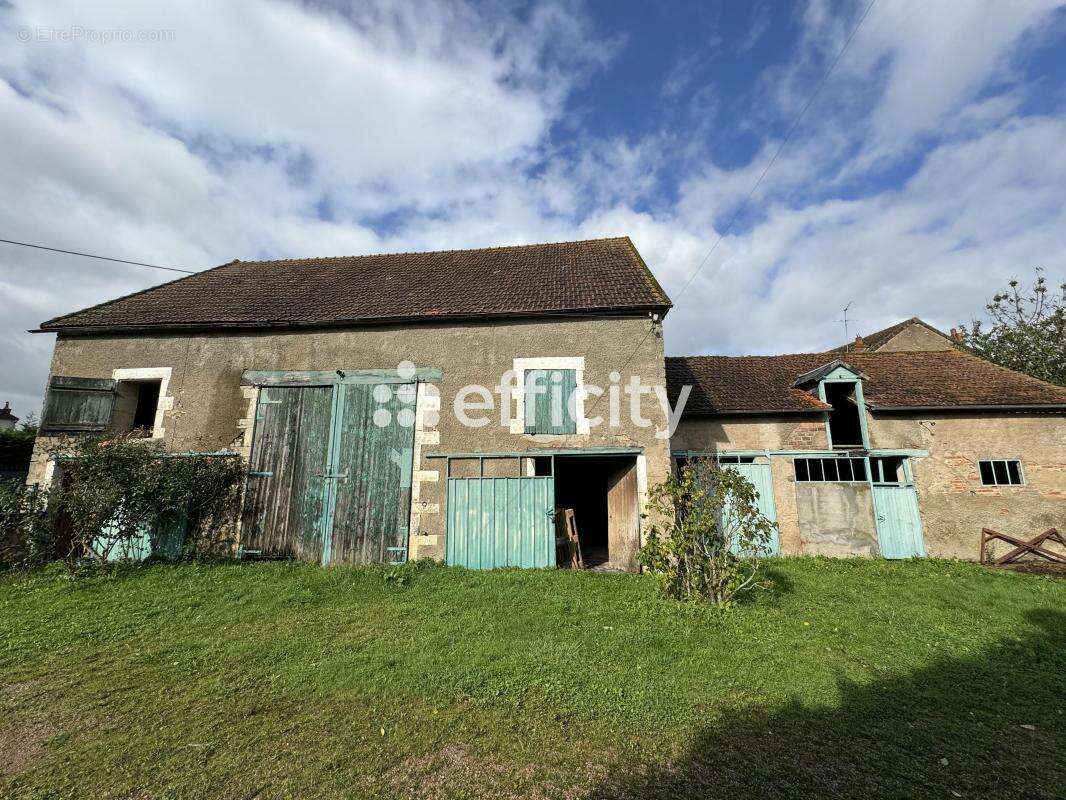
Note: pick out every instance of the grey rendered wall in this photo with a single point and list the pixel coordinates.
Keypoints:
(210, 407)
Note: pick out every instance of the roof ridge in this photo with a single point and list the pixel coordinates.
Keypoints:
(435, 252)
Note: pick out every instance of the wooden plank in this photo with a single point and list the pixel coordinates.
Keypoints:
(78, 404)
(623, 518)
(500, 522)
(373, 468)
(286, 492)
(550, 410)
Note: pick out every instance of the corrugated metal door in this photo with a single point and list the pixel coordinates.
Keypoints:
(371, 457)
(501, 522)
(760, 477)
(286, 497)
(899, 527)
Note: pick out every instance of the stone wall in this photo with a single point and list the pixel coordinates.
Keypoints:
(916, 337)
(954, 506)
(210, 410)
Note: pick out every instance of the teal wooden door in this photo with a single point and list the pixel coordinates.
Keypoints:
(760, 477)
(370, 461)
(501, 522)
(899, 527)
(287, 493)
(330, 473)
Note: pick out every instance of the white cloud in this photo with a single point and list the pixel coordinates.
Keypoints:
(431, 126)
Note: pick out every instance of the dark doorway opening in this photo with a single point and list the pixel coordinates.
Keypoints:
(844, 425)
(601, 491)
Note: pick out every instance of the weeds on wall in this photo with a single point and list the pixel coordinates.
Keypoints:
(711, 547)
(122, 498)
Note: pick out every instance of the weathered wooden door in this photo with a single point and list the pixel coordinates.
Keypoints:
(623, 518)
(760, 477)
(501, 522)
(899, 526)
(371, 474)
(287, 491)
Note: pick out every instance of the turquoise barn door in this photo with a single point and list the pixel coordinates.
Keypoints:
(370, 472)
(287, 492)
(501, 522)
(899, 526)
(760, 477)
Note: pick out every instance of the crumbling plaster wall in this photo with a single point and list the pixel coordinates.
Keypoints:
(954, 505)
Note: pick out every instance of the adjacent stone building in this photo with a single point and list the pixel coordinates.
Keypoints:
(888, 453)
(909, 335)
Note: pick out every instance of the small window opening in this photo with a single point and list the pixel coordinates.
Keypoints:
(887, 469)
(830, 470)
(1001, 472)
(135, 406)
(736, 459)
(844, 425)
(542, 466)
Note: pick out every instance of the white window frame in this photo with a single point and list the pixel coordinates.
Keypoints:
(165, 402)
(523, 365)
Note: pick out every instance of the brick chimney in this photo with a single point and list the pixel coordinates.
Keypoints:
(860, 345)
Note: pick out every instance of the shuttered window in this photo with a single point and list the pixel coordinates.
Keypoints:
(78, 404)
(548, 401)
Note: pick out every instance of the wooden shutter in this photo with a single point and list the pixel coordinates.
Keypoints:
(78, 404)
(539, 405)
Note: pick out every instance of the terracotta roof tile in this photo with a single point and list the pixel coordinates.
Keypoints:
(599, 276)
(946, 378)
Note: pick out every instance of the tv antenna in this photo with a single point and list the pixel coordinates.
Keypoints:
(847, 338)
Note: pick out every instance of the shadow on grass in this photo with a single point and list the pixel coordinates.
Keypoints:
(778, 584)
(992, 725)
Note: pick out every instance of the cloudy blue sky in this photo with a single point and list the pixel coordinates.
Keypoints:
(929, 170)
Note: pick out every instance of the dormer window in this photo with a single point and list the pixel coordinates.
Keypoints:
(845, 424)
(839, 386)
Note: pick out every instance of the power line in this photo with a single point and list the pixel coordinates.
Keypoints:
(101, 258)
(784, 142)
(758, 182)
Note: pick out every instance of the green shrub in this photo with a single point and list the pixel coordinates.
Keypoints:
(125, 489)
(709, 548)
(27, 535)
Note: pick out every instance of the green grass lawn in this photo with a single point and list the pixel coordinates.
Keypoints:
(856, 678)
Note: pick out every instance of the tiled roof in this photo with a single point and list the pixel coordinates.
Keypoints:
(597, 276)
(877, 339)
(945, 378)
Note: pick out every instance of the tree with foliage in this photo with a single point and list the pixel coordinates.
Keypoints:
(710, 545)
(112, 494)
(1027, 331)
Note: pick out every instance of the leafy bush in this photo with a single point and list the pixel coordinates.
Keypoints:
(710, 546)
(27, 534)
(108, 494)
